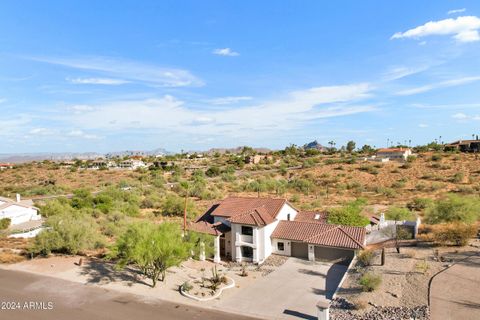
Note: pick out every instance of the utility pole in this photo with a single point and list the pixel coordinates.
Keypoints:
(185, 214)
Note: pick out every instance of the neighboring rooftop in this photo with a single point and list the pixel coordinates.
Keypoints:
(312, 216)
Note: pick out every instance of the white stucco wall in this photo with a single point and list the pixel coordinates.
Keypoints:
(19, 214)
(262, 242)
(286, 244)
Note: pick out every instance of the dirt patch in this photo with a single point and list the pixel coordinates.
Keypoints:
(405, 276)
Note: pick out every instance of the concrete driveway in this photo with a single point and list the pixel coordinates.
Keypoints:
(455, 293)
(290, 292)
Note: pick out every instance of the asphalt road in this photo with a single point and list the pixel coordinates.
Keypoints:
(29, 296)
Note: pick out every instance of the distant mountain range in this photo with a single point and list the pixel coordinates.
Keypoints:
(27, 157)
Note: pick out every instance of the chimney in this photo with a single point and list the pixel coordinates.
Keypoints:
(18, 197)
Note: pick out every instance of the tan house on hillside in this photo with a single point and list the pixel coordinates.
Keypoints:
(395, 154)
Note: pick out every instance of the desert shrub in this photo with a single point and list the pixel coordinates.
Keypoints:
(455, 233)
(457, 177)
(5, 223)
(349, 215)
(422, 266)
(365, 257)
(406, 165)
(301, 185)
(465, 189)
(55, 207)
(436, 157)
(68, 234)
(295, 198)
(8, 256)
(368, 168)
(398, 184)
(399, 214)
(419, 204)
(411, 158)
(213, 171)
(385, 191)
(369, 282)
(174, 205)
(454, 208)
(186, 286)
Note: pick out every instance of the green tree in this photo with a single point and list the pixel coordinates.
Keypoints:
(152, 248)
(454, 208)
(398, 214)
(351, 146)
(349, 214)
(367, 149)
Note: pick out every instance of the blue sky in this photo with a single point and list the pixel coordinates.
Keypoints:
(115, 75)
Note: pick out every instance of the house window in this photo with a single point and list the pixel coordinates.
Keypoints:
(247, 231)
(288, 217)
(247, 252)
(281, 246)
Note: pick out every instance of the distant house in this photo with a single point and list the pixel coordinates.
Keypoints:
(18, 211)
(132, 164)
(100, 163)
(256, 159)
(4, 166)
(464, 145)
(251, 229)
(395, 154)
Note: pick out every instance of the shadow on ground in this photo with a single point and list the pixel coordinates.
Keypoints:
(102, 272)
(333, 278)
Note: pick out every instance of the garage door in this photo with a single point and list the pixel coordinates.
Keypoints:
(299, 250)
(329, 254)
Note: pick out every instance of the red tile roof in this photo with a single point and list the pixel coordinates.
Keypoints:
(256, 217)
(203, 227)
(309, 216)
(214, 229)
(233, 206)
(327, 235)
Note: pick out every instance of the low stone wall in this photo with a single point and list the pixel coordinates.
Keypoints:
(217, 294)
(342, 309)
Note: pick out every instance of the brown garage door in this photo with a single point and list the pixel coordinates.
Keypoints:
(330, 254)
(299, 250)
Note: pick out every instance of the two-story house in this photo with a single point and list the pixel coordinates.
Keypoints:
(251, 229)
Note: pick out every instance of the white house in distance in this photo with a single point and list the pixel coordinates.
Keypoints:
(251, 229)
(132, 164)
(396, 154)
(22, 214)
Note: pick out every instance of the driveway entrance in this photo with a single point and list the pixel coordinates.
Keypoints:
(455, 294)
(290, 292)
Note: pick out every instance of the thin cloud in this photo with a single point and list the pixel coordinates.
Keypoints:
(225, 52)
(102, 81)
(396, 73)
(228, 100)
(438, 85)
(456, 11)
(127, 69)
(173, 115)
(463, 29)
(83, 135)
